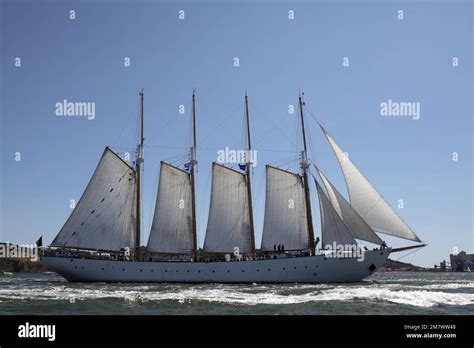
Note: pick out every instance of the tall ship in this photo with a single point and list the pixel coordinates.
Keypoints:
(100, 241)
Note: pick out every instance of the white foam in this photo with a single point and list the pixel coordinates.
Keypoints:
(241, 295)
(419, 298)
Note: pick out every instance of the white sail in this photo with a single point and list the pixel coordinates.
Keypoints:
(171, 230)
(367, 201)
(285, 211)
(357, 226)
(104, 218)
(333, 229)
(228, 225)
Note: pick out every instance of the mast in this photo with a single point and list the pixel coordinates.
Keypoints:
(249, 184)
(193, 182)
(304, 167)
(138, 165)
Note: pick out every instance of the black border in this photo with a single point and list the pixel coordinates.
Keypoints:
(238, 330)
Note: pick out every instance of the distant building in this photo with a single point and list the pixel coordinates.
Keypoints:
(462, 262)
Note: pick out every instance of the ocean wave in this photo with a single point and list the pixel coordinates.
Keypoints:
(447, 286)
(418, 298)
(240, 295)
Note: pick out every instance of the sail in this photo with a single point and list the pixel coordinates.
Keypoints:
(367, 201)
(357, 226)
(228, 225)
(171, 230)
(104, 218)
(285, 211)
(333, 229)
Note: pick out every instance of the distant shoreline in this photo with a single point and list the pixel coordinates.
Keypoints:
(21, 266)
(397, 266)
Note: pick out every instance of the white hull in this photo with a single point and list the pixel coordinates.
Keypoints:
(307, 269)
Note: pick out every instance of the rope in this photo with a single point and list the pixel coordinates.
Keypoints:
(226, 116)
(411, 252)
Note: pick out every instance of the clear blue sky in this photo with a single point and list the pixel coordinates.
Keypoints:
(82, 60)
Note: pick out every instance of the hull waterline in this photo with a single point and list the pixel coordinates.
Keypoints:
(307, 269)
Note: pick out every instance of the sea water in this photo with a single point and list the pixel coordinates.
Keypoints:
(382, 293)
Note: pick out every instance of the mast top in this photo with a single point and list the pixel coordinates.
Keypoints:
(301, 104)
(194, 122)
(249, 144)
(142, 130)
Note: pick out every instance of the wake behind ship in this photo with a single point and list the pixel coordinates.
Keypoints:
(100, 241)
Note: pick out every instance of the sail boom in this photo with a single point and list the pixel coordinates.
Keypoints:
(396, 250)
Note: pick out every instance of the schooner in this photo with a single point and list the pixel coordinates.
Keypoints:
(100, 240)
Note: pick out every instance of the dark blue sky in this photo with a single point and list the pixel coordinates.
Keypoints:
(82, 60)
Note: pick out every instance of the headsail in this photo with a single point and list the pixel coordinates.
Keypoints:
(171, 230)
(367, 201)
(104, 217)
(228, 225)
(285, 211)
(357, 226)
(333, 229)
